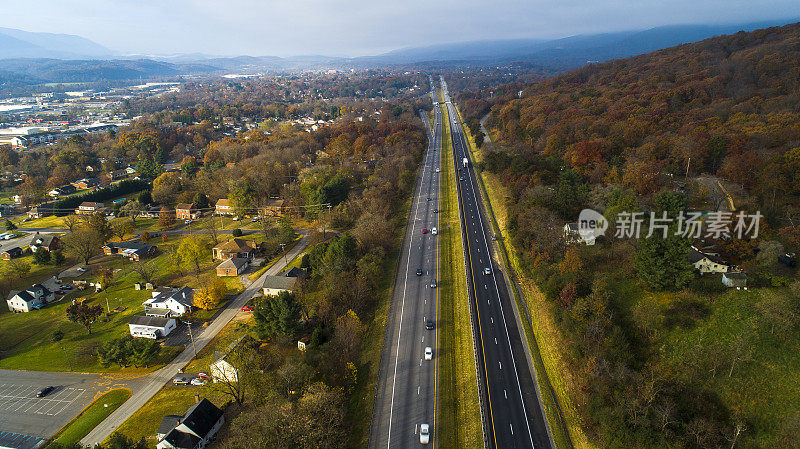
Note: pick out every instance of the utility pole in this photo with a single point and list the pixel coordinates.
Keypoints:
(687, 167)
(285, 254)
(191, 337)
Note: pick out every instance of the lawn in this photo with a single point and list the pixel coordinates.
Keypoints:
(91, 416)
(541, 334)
(26, 338)
(37, 273)
(459, 420)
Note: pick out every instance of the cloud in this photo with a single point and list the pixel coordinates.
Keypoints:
(356, 27)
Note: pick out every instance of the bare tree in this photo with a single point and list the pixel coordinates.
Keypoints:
(18, 268)
(741, 351)
(84, 243)
(71, 221)
(240, 376)
(737, 430)
(145, 271)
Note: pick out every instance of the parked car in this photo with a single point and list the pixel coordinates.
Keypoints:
(198, 382)
(435, 210)
(235, 218)
(187, 222)
(428, 353)
(247, 308)
(254, 219)
(203, 375)
(45, 391)
(424, 434)
(65, 287)
(429, 198)
(180, 381)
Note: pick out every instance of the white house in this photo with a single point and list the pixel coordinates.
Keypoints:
(222, 371)
(572, 235)
(151, 326)
(35, 297)
(706, 263)
(195, 429)
(169, 302)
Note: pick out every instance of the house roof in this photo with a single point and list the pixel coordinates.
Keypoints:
(223, 202)
(181, 440)
(184, 206)
(696, 255)
(239, 245)
(131, 245)
(14, 250)
(279, 282)
(233, 262)
(293, 272)
(45, 240)
(168, 423)
(183, 296)
(23, 295)
(152, 321)
(39, 289)
(201, 417)
(735, 275)
(91, 204)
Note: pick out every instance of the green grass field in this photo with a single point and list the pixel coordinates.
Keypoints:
(459, 418)
(91, 416)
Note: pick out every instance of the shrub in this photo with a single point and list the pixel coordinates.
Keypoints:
(236, 232)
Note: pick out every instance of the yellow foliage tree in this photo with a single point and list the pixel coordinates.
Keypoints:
(209, 295)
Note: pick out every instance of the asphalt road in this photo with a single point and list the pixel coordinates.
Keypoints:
(152, 383)
(512, 410)
(406, 392)
(22, 413)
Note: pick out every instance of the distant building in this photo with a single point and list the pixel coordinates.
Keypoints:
(40, 211)
(573, 235)
(152, 327)
(90, 208)
(235, 248)
(33, 298)
(11, 253)
(233, 266)
(706, 263)
(167, 301)
(50, 242)
(223, 371)
(133, 250)
(186, 211)
(223, 207)
(87, 183)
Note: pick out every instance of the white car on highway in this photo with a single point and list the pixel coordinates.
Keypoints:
(434, 231)
(424, 433)
(428, 353)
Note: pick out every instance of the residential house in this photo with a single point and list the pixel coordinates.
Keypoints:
(115, 175)
(35, 297)
(240, 248)
(223, 207)
(130, 170)
(573, 235)
(273, 208)
(233, 266)
(68, 189)
(223, 371)
(276, 284)
(734, 279)
(152, 211)
(151, 326)
(167, 301)
(87, 183)
(133, 250)
(50, 242)
(90, 208)
(195, 429)
(40, 211)
(11, 253)
(706, 263)
(185, 211)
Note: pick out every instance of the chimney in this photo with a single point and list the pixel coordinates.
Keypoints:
(196, 398)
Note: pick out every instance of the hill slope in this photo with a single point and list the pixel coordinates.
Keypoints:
(24, 44)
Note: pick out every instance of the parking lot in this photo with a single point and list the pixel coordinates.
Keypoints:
(23, 414)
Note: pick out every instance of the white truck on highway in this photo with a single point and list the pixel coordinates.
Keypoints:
(465, 161)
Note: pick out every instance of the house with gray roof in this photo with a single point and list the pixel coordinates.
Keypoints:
(166, 302)
(195, 429)
(33, 298)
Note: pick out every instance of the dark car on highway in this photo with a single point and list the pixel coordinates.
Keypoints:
(429, 324)
(419, 271)
(45, 391)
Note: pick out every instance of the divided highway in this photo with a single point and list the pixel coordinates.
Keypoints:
(406, 391)
(512, 411)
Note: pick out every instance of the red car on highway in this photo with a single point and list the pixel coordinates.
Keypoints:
(247, 308)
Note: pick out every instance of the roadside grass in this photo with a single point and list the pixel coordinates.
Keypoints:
(543, 338)
(50, 221)
(26, 338)
(257, 274)
(91, 416)
(459, 422)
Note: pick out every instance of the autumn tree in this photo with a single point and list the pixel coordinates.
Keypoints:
(192, 250)
(84, 314)
(84, 243)
(210, 294)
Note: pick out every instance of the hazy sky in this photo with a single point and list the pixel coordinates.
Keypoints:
(356, 27)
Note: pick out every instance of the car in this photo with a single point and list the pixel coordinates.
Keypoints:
(429, 324)
(198, 382)
(59, 292)
(424, 433)
(429, 198)
(81, 269)
(494, 237)
(187, 222)
(424, 230)
(433, 283)
(180, 381)
(435, 210)
(434, 231)
(254, 219)
(419, 271)
(461, 178)
(487, 271)
(428, 353)
(437, 170)
(247, 308)
(65, 287)
(235, 218)
(45, 391)
(203, 375)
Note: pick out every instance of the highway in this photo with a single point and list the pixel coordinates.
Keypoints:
(406, 391)
(512, 412)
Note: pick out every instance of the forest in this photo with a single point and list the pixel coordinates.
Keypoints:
(665, 358)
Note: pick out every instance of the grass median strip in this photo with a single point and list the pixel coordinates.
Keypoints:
(459, 409)
(91, 416)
